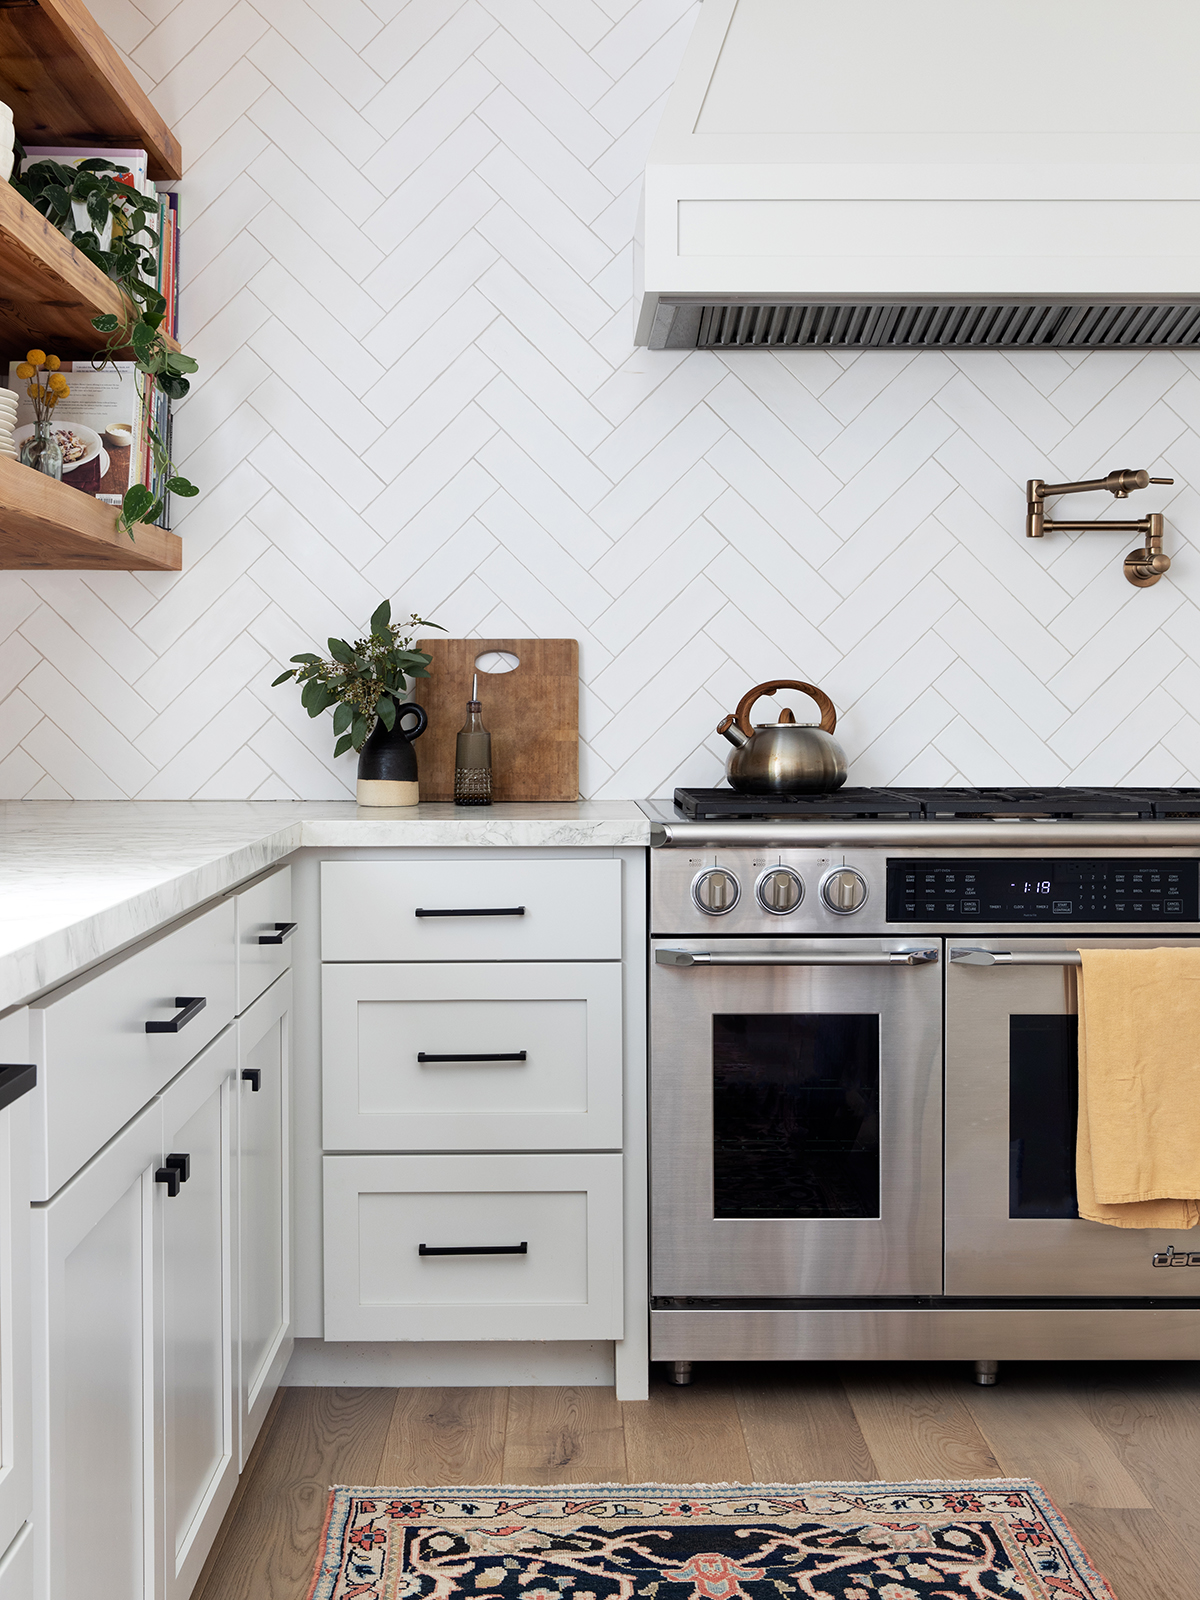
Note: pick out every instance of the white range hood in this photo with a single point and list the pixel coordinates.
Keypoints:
(927, 172)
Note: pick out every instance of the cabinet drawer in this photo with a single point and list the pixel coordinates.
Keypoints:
(551, 1029)
(97, 1065)
(515, 1247)
(264, 912)
(471, 911)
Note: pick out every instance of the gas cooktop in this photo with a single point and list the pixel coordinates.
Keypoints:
(927, 805)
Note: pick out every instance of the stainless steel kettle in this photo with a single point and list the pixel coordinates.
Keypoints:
(784, 757)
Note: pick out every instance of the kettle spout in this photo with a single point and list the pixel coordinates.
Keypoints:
(728, 726)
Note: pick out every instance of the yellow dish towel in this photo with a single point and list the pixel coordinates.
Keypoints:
(1137, 1156)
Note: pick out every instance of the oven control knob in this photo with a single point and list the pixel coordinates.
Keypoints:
(779, 890)
(716, 891)
(843, 890)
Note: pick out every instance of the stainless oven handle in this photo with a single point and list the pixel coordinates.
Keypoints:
(971, 957)
(816, 958)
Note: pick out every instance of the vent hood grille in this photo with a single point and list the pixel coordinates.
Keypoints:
(889, 325)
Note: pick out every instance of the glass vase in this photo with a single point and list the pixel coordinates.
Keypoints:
(42, 452)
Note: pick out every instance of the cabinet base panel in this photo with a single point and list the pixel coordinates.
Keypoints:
(430, 1364)
(994, 1333)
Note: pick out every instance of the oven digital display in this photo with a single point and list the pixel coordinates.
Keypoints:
(1043, 891)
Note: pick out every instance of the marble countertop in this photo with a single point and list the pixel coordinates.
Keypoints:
(81, 879)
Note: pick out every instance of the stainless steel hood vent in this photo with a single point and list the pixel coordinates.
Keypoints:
(686, 325)
(1007, 174)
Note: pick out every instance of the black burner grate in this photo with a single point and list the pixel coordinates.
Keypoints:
(919, 805)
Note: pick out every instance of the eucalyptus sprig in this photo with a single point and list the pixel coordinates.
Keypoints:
(365, 681)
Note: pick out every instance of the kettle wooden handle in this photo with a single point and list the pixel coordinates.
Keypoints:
(746, 704)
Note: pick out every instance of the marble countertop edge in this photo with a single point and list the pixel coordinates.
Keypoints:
(82, 881)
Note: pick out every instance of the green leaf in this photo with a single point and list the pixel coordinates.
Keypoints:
(309, 694)
(308, 659)
(382, 617)
(108, 323)
(341, 651)
(386, 707)
(343, 745)
(136, 503)
(359, 731)
(98, 210)
(183, 487)
(178, 362)
(142, 336)
(283, 678)
(175, 388)
(343, 716)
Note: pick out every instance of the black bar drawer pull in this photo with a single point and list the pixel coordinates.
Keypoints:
(515, 1055)
(16, 1079)
(192, 1006)
(283, 930)
(170, 1177)
(252, 1076)
(521, 1249)
(479, 911)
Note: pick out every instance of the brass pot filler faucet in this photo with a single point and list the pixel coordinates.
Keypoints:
(1144, 566)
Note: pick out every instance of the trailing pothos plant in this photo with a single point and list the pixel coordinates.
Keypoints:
(363, 681)
(107, 220)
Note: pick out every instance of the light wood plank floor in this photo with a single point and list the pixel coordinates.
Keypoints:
(1117, 1446)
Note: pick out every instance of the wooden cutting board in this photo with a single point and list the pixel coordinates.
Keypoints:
(532, 714)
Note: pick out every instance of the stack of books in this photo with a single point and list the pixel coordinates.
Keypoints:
(110, 414)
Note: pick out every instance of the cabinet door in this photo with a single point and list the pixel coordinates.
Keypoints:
(93, 1374)
(16, 1292)
(194, 1358)
(263, 1341)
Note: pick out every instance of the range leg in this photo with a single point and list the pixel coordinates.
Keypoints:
(985, 1372)
(680, 1372)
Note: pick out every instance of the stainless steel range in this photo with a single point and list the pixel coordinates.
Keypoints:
(864, 1074)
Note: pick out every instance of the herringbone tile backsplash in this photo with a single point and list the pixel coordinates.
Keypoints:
(407, 271)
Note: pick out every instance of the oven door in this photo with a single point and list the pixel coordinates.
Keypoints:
(1012, 1080)
(796, 1117)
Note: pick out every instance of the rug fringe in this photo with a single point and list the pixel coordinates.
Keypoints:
(378, 1490)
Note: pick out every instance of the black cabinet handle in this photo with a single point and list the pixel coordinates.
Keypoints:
(283, 930)
(170, 1177)
(16, 1079)
(521, 1249)
(252, 1076)
(182, 1164)
(479, 911)
(515, 1055)
(192, 1006)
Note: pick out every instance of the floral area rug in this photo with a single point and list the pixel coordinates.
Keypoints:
(996, 1537)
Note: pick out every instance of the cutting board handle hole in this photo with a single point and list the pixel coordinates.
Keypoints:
(497, 661)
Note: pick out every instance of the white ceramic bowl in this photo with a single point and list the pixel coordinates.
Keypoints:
(88, 437)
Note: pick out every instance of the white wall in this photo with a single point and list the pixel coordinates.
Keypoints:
(407, 271)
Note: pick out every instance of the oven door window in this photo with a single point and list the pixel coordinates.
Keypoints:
(1043, 1109)
(796, 1114)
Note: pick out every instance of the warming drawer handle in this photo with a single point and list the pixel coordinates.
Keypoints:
(16, 1079)
(521, 1249)
(191, 1006)
(477, 911)
(711, 958)
(970, 956)
(512, 1055)
(283, 930)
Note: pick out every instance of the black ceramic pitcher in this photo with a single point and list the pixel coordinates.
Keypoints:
(387, 763)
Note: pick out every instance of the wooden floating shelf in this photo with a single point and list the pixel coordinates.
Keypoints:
(67, 84)
(47, 525)
(49, 291)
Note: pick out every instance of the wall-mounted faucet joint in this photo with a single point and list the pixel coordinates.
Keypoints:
(1143, 566)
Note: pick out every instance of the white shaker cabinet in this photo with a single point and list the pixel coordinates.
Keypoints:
(94, 1360)
(16, 1424)
(263, 1222)
(194, 1357)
